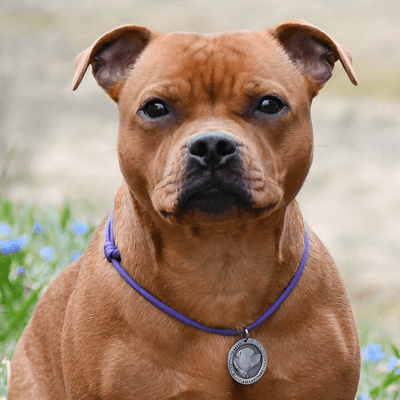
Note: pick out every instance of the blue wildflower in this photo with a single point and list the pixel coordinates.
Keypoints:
(364, 397)
(80, 228)
(4, 229)
(47, 253)
(37, 228)
(76, 255)
(20, 270)
(13, 245)
(393, 363)
(373, 353)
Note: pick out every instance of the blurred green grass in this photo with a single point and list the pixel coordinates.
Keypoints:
(35, 245)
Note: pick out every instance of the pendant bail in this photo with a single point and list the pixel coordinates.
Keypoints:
(246, 332)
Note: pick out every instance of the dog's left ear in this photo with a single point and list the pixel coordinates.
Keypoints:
(313, 51)
(112, 56)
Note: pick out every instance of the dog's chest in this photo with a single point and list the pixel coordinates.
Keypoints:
(168, 370)
(178, 370)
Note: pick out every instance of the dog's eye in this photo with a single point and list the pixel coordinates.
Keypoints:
(270, 105)
(155, 109)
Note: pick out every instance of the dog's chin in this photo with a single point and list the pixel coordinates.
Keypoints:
(214, 202)
(216, 207)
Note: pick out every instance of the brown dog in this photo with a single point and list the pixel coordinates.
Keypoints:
(215, 141)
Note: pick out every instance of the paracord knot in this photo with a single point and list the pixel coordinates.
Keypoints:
(111, 252)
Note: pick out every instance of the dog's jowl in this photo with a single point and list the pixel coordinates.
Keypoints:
(204, 282)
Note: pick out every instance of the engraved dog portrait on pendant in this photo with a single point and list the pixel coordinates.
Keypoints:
(245, 360)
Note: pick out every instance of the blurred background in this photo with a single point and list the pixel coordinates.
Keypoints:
(56, 144)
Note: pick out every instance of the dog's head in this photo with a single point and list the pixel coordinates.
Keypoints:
(215, 126)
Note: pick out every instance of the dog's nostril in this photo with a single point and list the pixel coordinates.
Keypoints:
(225, 147)
(199, 148)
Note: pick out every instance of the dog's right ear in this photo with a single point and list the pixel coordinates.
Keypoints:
(112, 56)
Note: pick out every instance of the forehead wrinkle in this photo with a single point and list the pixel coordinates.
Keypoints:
(211, 67)
(172, 89)
(214, 70)
(206, 55)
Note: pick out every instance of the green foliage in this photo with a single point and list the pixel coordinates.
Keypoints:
(390, 382)
(35, 245)
(380, 367)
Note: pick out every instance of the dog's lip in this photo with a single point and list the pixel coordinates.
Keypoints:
(216, 197)
(239, 202)
(211, 193)
(268, 209)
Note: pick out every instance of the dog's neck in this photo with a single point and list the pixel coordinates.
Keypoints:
(219, 277)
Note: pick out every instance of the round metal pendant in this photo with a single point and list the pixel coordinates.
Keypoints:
(247, 361)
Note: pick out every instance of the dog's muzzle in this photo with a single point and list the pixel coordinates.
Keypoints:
(214, 179)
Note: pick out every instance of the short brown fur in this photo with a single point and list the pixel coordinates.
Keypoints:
(93, 337)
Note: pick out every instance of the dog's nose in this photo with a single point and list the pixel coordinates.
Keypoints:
(213, 149)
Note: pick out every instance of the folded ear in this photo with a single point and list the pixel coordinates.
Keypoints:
(112, 56)
(313, 51)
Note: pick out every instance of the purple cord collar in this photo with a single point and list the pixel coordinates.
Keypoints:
(113, 256)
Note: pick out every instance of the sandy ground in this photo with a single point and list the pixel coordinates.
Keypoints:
(65, 143)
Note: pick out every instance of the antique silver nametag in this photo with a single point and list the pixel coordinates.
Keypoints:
(247, 361)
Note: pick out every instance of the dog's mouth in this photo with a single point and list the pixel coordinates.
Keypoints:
(209, 204)
(214, 201)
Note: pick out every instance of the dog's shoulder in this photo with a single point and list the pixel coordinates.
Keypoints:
(55, 299)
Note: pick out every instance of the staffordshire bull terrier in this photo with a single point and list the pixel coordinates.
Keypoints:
(204, 282)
